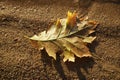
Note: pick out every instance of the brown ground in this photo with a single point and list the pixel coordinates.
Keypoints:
(20, 61)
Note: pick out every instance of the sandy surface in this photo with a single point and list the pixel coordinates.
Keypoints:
(20, 61)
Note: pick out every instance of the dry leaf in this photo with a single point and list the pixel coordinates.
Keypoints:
(68, 56)
(69, 35)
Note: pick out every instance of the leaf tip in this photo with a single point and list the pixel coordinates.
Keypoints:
(71, 18)
(58, 24)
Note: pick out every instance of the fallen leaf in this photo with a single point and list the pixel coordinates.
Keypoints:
(68, 36)
(89, 39)
(68, 56)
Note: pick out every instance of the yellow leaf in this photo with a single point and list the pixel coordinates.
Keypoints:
(51, 49)
(89, 39)
(71, 18)
(68, 56)
(79, 49)
(69, 35)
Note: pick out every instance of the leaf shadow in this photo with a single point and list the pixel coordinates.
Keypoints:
(84, 63)
(56, 63)
(46, 61)
(80, 66)
(45, 58)
(93, 45)
(59, 68)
